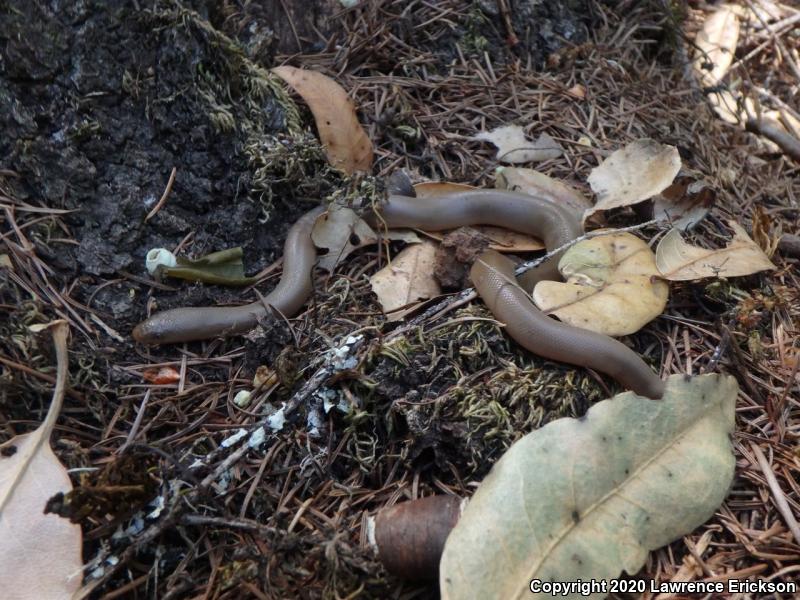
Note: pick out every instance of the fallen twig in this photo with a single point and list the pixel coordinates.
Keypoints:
(773, 132)
(163, 200)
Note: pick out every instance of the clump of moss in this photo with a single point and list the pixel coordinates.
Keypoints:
(465, 391)
(475, 23)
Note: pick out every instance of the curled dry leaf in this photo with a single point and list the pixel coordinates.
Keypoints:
(346, 143)
(679, 261)
(632, 174)
(716, 45)
(40, 554)
(502, 240)
(340, 230)
(535, 183)
(409, 537)
(514, 148)
(408, 279)
(611, 286)
(577, 91)
(685, 203)
(588, 498)
(766, 233)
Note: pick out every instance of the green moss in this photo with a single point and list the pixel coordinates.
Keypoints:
(474, 42)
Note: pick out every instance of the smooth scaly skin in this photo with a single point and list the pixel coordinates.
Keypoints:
(493, 279)
(533, 215)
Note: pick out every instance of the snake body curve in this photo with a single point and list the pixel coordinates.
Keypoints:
(492, 275)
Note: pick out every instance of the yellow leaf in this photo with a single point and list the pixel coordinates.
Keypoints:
(610, 286)
(346, 143)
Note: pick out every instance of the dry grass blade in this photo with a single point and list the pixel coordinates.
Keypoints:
(777, 493)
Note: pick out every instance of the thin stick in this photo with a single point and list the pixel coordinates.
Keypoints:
(777, 493)
(773, 132)
(163, 200)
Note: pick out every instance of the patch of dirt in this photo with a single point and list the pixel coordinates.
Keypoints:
(106, 100)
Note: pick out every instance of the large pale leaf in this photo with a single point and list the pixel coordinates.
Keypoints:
(346, 143)
(40, 554)
(716, 45)
(634, 173)
(611, 286)
(679, 261)
(588, 498)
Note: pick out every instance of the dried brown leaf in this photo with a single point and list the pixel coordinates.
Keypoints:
(679, 261)
(632, 174)
(341, 231)
(346, 143)
(408, 279)
(514, 148)
(685, 203)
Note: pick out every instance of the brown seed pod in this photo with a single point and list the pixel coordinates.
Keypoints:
(410, 536)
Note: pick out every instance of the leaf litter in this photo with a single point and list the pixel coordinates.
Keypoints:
(589, 498)
(618, 109)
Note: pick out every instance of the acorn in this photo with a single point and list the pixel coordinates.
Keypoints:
(409, 537)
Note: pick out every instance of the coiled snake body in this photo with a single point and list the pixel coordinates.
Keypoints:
(492, 274)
